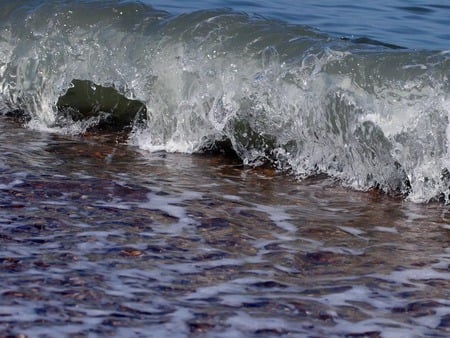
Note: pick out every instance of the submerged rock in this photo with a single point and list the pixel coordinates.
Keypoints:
(85, 100)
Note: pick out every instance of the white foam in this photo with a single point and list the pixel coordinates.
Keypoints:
(352, 231)
(243, 322)
(278, 215)
(386, 229)
(411, 276)
(11, 184)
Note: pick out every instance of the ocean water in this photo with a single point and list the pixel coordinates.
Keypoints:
(412, 24)
(224, 168)
(367, 107)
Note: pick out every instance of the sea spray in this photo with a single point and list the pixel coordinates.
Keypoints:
(364, 112)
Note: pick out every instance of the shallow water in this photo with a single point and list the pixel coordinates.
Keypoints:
(103, 239)
(99, 237)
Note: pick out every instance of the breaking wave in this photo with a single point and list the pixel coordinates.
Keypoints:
(370, 114)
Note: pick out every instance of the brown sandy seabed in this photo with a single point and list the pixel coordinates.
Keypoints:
(98, 237)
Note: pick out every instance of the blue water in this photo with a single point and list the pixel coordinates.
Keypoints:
(415, 24)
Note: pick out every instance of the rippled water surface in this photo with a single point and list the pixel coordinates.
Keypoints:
(99, 238)
(421, 24)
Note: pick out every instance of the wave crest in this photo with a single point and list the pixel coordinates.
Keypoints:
(363, 112)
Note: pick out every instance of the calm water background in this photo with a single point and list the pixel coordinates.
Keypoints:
(407, 23)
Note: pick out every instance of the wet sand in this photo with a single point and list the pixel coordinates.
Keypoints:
(101, 239)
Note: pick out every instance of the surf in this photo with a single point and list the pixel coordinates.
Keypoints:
(367, 113)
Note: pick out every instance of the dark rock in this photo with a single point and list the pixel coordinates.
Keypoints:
(86, 99)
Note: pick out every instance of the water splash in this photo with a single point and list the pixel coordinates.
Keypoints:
(362, 112)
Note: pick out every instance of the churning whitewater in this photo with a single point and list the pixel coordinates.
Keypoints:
(369, 114)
